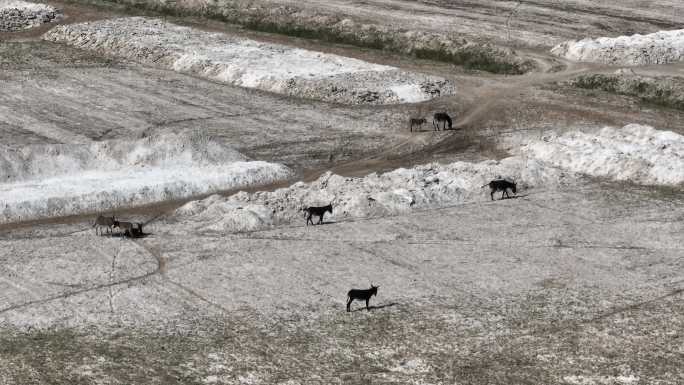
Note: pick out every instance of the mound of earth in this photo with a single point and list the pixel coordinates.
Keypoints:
(66, 179)
(667, 91)
(657, 48)
(376, 195)
(634, 153)
(17, 15)
(248, 63)
(431, 31)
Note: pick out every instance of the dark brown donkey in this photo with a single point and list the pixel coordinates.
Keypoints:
(362, 295)
(102, 221)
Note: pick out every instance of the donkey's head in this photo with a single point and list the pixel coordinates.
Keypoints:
(514, 188)
(374, 290)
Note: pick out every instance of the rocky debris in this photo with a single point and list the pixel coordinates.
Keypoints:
(248, 63)
(657, 48)
(17, 15)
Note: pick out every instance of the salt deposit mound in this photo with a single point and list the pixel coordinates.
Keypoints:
(248, 63)
(65, 179)
(17, 15)
(656, 48)
(635, 153)
(399, 191)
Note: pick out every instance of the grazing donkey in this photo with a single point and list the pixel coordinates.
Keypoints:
(418, 122)
(317, 211)
(362, 295)
(102, 221)
(441, 117)
(501, 185)
(126, 228)
(139, 231)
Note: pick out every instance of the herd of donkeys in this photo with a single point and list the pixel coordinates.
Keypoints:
(135, 229)
(126, 229)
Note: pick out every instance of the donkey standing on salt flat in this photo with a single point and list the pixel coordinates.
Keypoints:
(441, 117)
(102, 221)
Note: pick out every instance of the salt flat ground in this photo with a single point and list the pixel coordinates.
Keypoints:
(583, 285)
(559, 287)
(529, 23)
(101, 99)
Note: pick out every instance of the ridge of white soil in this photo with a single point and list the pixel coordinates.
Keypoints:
(247, 63)
(656, 48)
(634, 153)
(67, 179)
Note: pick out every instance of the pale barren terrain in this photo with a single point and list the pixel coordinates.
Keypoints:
(578, 280)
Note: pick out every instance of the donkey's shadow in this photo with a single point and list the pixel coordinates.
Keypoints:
(391, 304)
(323, 223)
(123, 235)
(517, 196)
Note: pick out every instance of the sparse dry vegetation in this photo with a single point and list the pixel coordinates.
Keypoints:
(660, 91)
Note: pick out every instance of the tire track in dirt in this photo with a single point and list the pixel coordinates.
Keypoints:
(162, 269)
(77, 292)
(109, 285)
